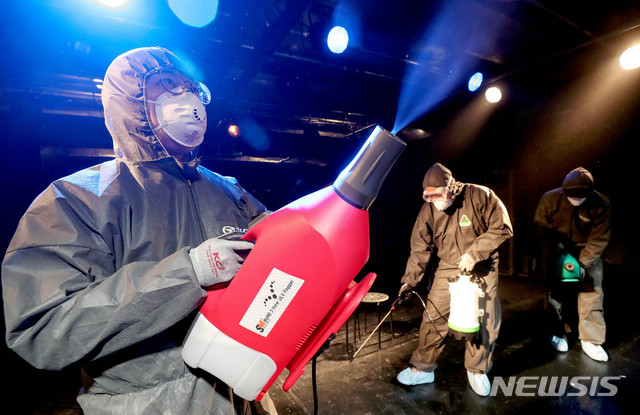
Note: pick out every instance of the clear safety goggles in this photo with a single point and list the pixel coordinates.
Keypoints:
(177, 82)
(434, 194)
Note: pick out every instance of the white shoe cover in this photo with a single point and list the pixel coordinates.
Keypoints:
(412, 376)
(559, 343)
(479, 383)
(594, 351)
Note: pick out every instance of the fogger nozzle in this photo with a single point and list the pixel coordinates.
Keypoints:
(360, 182)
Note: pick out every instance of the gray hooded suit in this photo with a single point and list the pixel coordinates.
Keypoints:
(98, 273)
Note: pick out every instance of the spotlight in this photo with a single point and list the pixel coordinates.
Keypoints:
(630, 58)
(493, 94)
(112, 3)
(195, 13)
(338, 39)
(233, 130)
(475, 81)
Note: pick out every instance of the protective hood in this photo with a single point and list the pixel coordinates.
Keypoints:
(123, 100)
(578, 183)
(440, 176)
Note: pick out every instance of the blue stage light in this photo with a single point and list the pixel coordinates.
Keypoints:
(112, 3)
(195, 13)
(338, 39)
(475, 81)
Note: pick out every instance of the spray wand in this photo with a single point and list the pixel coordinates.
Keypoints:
(374, 330)
(397, 302)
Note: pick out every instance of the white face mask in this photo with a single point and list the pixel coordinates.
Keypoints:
(442, 204)
(576, 201)
(182, 117)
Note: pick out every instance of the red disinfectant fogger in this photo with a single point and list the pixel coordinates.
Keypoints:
(296, 287)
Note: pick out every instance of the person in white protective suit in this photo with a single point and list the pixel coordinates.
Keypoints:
(108, 266)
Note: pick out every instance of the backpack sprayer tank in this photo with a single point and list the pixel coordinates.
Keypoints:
(296, 286)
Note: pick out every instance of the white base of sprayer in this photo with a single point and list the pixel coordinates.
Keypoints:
(244, 369)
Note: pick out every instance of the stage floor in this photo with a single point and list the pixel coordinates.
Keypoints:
(366, 385)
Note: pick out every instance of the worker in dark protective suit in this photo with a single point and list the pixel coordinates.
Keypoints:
(459, 228)
(109, 265)
(575, 219)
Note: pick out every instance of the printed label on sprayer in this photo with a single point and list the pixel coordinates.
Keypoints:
(272, 300)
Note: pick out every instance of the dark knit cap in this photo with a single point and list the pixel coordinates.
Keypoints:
(578, 183)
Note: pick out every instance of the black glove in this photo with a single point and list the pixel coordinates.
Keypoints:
(403, 294)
